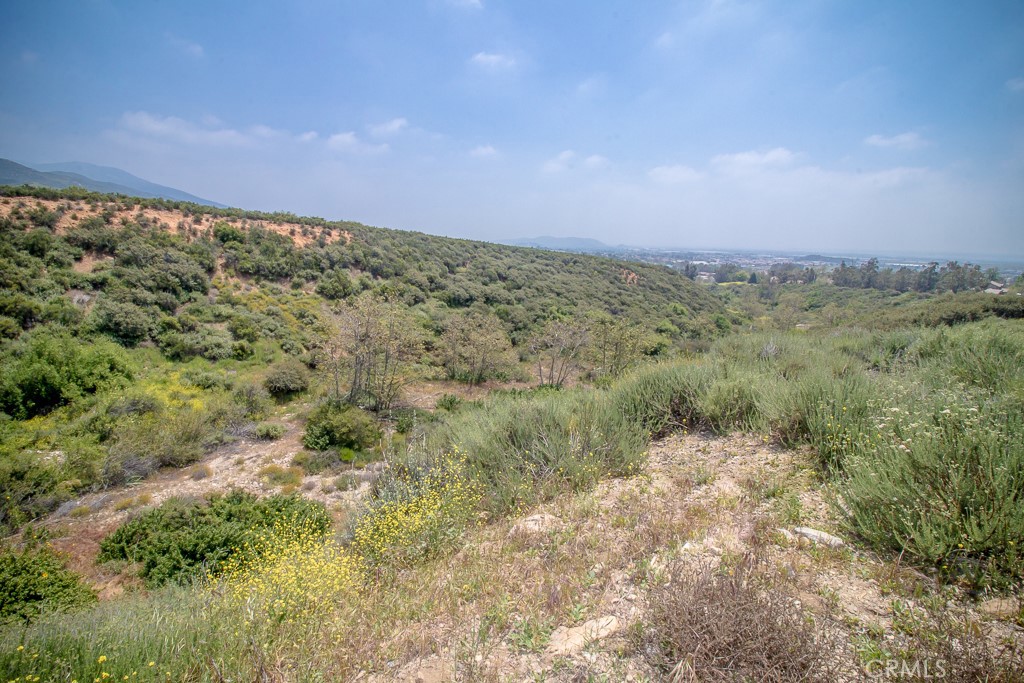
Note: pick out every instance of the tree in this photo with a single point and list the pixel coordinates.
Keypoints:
(847, 276)
(615, 343)
(559, 347)
(329, 351)
(475, 347)
(371, 340)
(869, 273)
(335, 285)
(927, 278)
(729, 272)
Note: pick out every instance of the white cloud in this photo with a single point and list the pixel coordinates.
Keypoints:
(674, 174)
(264, 132)
(1015, 85)
(592, 87)
(186, 47)
(559, 163)
(209, 131)
(711, 20)
(349, 142)
(483, 152)
(388, 128)
(568, 160)
(665, 41)
(492, 60)
(180, 131)
(904, 141)
(753, 160)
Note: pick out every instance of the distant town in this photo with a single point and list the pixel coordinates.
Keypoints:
(705, 265)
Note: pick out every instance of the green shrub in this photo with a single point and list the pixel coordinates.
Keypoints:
(123, 320)
(531, 448)
(185, 539)
(332, 424)
(989, 355)
(941, 481)
(418, 511)
(269, 431)
(449, 402)
(48, 369)
(281, 476)
(331, 461)
(662, 398)
(286, 378)
(35, 580)
(733, 403)
(205, 379)
(224, 233)
(140, 446)
(253, 399)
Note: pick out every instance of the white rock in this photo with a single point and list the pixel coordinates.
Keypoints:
(786, 534)
(567, 641)
(818, 536)
(535, 524)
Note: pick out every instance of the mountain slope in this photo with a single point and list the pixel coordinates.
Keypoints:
(109, 174)
(76, 174)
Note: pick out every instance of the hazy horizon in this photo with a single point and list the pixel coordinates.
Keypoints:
(873, 128)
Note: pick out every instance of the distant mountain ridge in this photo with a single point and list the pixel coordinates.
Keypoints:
(94, 178)
(585, 244)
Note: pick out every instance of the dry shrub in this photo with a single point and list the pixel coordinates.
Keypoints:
(955, 647)
(709, 625)
(200, 472)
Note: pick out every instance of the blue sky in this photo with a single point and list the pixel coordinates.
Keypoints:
(878, 127)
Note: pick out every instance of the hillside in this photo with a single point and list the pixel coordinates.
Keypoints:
(190, 301)
(522, 286)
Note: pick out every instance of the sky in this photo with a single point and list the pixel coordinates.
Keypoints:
(821, 125)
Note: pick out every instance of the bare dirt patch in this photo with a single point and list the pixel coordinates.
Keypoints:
(569, 599)
(72, 212)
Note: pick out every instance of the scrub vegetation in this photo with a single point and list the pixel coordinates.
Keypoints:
(132, 346)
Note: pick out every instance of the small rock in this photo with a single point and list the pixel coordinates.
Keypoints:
(535, 524)
(1000, 608)
(819, 536)
(433, 671)
(567, 641)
